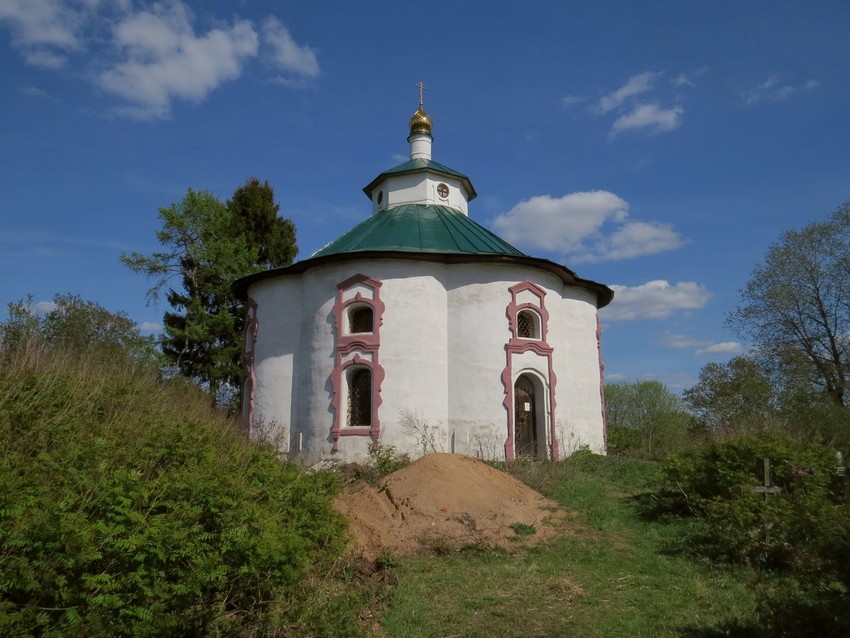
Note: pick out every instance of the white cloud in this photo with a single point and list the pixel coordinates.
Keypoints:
(656, 299)
(573, 225)
(635, 108)
(571, 100)
(636, 85)
(149, 326)
(648, 116)
(688, 80)
(702, 347)
(683, 80)
(286, 53)
(44, 307)
(166, 60)
(158, 57)
(560, 223)
(43, 30)
(724, 347)
(774, 91)
(34, 92)
(633, 239)
(683, 342)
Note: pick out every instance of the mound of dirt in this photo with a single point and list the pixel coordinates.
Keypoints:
(444, 502)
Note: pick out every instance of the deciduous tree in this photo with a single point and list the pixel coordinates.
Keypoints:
(734, 397)
(796, 306)
(75, 326)
(644, 414)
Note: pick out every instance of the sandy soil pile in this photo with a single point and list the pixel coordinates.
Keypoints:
(444, 502)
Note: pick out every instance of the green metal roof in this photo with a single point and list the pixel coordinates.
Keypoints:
(416, 165)
(419, 228)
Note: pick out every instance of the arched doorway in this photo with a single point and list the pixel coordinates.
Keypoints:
(525, 418)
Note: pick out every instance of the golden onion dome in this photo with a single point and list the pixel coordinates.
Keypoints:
(420, 122)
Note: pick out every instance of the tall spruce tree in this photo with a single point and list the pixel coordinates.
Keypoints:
(255, 216)
(208, 244)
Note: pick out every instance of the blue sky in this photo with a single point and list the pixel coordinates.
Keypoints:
(658, 147)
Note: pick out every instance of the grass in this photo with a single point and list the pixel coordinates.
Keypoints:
(614, 574)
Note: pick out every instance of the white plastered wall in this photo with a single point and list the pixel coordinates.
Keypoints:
(443, 352)
(419, 188)
(572, 333)
(414, 355)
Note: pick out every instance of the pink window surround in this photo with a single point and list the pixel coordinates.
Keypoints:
(518, 345)
(249, 378)
(356, 349)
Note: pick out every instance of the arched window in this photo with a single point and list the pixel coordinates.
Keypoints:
(360, 319)
(527, 323)
(359, 397)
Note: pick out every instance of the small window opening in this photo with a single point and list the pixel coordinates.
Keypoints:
(526, 325)
(360, 319)
(360, 397)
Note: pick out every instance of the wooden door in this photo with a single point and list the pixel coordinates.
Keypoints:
(525, 419)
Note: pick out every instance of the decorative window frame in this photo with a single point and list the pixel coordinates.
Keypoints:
(536, 321)
(356, 349)
(518, 345)
(249, 376)
(352, 308)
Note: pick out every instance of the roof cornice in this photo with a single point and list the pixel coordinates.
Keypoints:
(603, 293)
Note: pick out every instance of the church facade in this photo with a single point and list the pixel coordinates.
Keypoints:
(423, 330)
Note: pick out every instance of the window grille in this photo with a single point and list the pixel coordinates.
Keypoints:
(360, 319)
(360, 397)
(526, 325)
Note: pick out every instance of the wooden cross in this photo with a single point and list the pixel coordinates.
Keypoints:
(422, 87)
(767, 488)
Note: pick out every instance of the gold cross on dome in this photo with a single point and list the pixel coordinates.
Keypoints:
(422, 88)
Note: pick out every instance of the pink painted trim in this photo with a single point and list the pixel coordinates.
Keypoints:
(518, 345)
(366, 348)
(602, 383)
(252, 327)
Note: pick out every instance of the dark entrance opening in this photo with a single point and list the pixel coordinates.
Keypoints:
(525, 418)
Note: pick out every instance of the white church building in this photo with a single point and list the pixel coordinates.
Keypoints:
(421, 329)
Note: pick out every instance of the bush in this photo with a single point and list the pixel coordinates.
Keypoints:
(716, 483)
(645, 420)
(797, 539)
(128, 508)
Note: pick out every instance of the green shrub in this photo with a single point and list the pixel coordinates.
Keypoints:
(128, 509)
(645, 420)
(716, 484)
(798, 539)
(386, 459)
(622, 441)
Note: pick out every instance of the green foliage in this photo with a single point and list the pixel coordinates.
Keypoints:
(208, 245)
(128, 509)
(644, 419)
(610, 574)
(74, 326)
(733, 398)
(716, 484)
(255, 216)
(799, 538)
(386, 458)
(807, 414)
(523, 529)
(794, 307)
